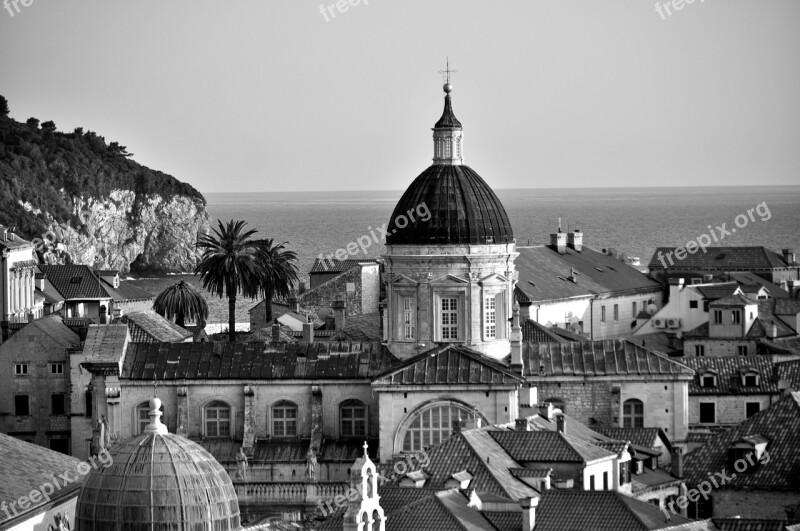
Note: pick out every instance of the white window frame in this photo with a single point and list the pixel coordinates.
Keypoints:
(210, 405)
(284, 406)
(21, 369)
(409, 308)
(490, 317)
(449, 318)
(56, 368)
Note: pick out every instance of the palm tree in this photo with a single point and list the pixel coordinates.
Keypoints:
(231, 264)
(181, 301)
(280, 270)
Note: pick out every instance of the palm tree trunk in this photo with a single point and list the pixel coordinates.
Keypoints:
(268, 303)
(232, 316)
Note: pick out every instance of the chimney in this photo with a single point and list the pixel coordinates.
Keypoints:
(276, 332)
(339, 314)
(772, 331)
(559, 241)
(516, 341)
(529, 513)
(294, 305)
(308, 332)
(522, 425)
(789, 256)
(677, 462)
(12, 234)
(561, 424)
(708, 278)
(546, 411)
(575, 240)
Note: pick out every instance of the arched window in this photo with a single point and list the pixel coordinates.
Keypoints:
(633, 413)
(433, 424)
(353, 417)
(143, 416)
(558, 403)
(284, 419)
(218, 419)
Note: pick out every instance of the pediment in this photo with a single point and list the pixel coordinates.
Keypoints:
(494, 278)
(449, 280)
(402, 280)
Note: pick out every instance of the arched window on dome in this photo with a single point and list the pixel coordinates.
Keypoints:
(433, 424)
(217, 419)
(633, 413)
(143, 416)
(284, 419)
(353, 418)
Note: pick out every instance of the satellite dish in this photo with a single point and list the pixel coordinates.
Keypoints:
(652, 309)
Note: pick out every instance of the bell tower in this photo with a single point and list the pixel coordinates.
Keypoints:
(364, 512)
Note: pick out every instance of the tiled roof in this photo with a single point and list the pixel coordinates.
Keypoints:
(597, 358)
(538, 333)
(786, 306)
(599, 511)
(645, 437)
(790, 371)
(476, 451)
(255, 361)
(277, 450)
(723, 259)
(787, 345)
(652, 478)
(728, 375)
(750, 524)
(779, 424)
(732, 301)
(547, 447)
(720, 290)
(53, 327)
(544, 274)
(336, 266)
(127, 291)
(25, 467)
(148, 327)
(749, 279)
(75, 281)
(363, 327)
(449, 364)
(505, 521)
(106, 343)
(572, 427)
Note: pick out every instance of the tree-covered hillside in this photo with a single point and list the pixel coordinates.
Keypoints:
(37, 162)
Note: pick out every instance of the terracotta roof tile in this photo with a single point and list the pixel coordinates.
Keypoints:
(728, 370)
(548, 447)
(75, 281)
(148, 327)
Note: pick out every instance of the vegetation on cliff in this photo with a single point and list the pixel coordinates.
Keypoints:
(44, 169)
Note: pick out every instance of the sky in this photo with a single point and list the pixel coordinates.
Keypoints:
(275, 95)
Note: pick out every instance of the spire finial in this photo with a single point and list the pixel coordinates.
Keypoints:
(155, 425)
(365, 449)
(448, 88)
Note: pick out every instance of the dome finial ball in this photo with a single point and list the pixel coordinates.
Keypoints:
(448, 88)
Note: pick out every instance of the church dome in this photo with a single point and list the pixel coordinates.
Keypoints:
(463, 208)
(156, 481)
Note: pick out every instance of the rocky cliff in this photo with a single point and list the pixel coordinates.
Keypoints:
(84, 201)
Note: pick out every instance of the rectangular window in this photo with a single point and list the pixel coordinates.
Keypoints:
(591, 482)
(742, 349)
(751, 380)
(717, 316)
(751, 408)
(692, 304)
(705, 306)
(449, 318)
(22, 406)
(602, 314)
(56, 368)
(605, 480)
(708, 381)
(616, 313)
(736, 317)
(490, 318)
(57, 404)
(699, 350)
(708, 413)
(21, 369)
(409, 320)
(635, 313)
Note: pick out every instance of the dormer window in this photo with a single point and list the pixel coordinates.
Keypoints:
(708, 380)
(750, 379)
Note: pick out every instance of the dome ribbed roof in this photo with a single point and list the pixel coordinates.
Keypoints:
(158, 481)
(463, 208)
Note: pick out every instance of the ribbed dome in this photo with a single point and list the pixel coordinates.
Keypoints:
(464, 210)
(158, 481)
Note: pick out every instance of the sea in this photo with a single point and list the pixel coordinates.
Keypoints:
(628, 220)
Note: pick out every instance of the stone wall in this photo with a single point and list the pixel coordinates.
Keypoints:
(753, 503)
(729, 409)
